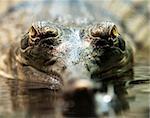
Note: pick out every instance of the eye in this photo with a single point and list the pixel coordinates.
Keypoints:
(104, 30)
(96, 31)
(42, 33)
(51, 32)
(33, 35)
(114, 32)
(32, 32)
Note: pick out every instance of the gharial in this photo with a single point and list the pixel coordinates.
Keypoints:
(55, 49)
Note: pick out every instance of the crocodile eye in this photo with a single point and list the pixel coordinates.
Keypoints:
(104, 30)
(29, 37)
(96, 32)
(114, 32)
(51, 32)
(32, 32)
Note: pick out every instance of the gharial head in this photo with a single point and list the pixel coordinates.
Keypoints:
(70, 51)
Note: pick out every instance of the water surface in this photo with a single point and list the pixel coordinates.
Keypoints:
(132, 99)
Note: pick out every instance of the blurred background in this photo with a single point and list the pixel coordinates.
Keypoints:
(133, 15)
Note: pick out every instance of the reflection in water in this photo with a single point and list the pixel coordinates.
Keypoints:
(79, 99)
(32, 103)
(87, 101)
(114, 97)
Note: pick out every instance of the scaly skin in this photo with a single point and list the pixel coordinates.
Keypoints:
(50, 53)
(81, 47)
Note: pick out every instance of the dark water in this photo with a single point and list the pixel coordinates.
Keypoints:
(119, 98)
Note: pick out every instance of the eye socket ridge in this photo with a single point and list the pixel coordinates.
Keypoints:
(42, 32)
(104, 30)
(51, 31)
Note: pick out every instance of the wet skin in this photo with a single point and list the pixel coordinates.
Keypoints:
(51, 53)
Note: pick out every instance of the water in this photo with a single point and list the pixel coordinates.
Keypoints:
(131, 99)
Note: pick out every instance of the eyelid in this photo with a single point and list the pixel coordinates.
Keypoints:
(114, 32)
(104, 30)
(95, 32)
(45, 32)
(52, 32)
(32, 32)
(50, 29)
